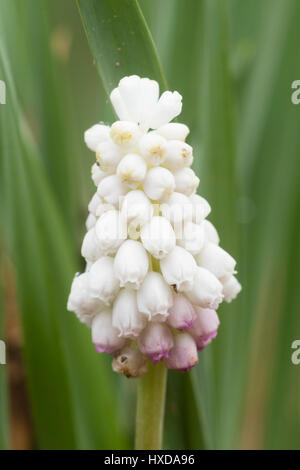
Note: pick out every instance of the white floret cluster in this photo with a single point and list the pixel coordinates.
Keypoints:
(155, 273)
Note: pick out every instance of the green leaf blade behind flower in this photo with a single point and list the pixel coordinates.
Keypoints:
(120, 41)
(65, 376)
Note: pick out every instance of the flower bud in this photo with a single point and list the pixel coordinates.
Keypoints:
(131, 264)
(91, 248)
(216, 260)
(97, 174)
(110, 231)
(132, 170)
(200, 208)
(182, 314)
(193, 237)
(125, 134)
(104, 336)
(153, 147)
(94, 203)
(186, 181)
(184, 354)
(103, 283)
(95, 135)
(158, 237)
(167, 108)
(136, 209)
(231, 288)
(206, 290)
(111, 189)
(126, 317)
(90, 221)
(119, 105)
(178, 268)
(156, 341)
(81, 302)
(178, 155)
(211, 234)
(108, 156)
(154, 298)
(173, 131)
(130, 362)
(159, 183)
(206, 327)
(130, 91)
(176, 208)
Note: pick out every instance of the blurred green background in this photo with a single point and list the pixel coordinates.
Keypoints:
(234, 62)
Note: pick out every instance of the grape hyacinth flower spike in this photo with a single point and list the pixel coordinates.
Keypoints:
(155, 273)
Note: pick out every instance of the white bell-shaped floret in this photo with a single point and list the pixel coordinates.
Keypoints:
(126, 317)
(102, 282)
(131, 264)
(186, 181)
(206, 289)
(178, 268)
(111, 189)
(110, 231)
(159, 183)
(95, 135)
(173, 131)
(132, 170)
(154, 298)
(158, 237)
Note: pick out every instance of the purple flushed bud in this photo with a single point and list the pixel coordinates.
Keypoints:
(183, 355)
(206, 327)
(130, 362)
(104, 336)
(182, 314)
(156, 341)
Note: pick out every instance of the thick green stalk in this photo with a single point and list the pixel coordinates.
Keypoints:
(151, 408)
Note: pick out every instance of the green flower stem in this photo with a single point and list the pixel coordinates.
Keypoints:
(151, 408)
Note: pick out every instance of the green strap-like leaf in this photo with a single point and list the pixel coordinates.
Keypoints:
(71, 407)
(120, 41)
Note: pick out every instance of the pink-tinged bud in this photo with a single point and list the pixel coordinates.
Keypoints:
(130, 362)
(104, 336)
(206, 327)
(182, 314)
(156, 341)
(183, 355)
